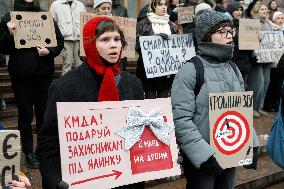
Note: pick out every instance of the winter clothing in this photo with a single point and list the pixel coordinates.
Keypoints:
(118, 9)
(98, 2)
(108, 90)
(234, 6)
(276, 14)
(191, 112)
(83, 84)
(203, 29)
(202, 6)
(160, 24)
(68, 18)
(30, 74)
(144, 28)
(259, 76)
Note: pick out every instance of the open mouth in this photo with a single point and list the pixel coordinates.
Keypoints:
(230, 43)
(113, 53)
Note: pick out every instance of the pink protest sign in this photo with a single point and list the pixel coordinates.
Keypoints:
(110, 144)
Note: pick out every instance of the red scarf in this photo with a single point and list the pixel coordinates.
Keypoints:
(108, 90)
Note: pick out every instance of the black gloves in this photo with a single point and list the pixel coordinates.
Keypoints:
(211, 167)
(62, 185)
(164, 36)
(254, 160)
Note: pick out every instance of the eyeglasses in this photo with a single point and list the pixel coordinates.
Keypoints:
(224, 32)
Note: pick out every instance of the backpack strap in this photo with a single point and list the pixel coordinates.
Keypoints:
(198, 65)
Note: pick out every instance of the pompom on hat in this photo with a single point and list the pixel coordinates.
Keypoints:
(202, 6)
(207, 20)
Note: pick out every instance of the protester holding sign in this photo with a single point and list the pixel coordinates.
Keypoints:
(259, 76)
(241, 57)
(214, 33)
(31, 72)
(98, 79)
(157, 22)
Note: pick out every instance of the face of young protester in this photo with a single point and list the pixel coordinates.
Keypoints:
(279, 20)
(223, 36)
(237, 14)
(273, 5)
(104, 9)
(262, 11)
(175, 2)
(109, 46)
(225, 3)
(161, 8)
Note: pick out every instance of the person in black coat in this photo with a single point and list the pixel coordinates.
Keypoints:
(97, 79)
(241, 58)
(31, 71)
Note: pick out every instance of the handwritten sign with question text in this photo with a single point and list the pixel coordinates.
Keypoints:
(94, 156)
(33, 28)
(163, 57)
(231, 128)
(10, 155)
(249, 34)
(271, 47)
(128, 27)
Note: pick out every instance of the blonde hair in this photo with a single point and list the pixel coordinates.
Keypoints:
(256, 7)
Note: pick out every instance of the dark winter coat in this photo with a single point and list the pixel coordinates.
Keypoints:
(26, 62)
(119, 10)
(144, 28)
(79, 85)
(242, 58)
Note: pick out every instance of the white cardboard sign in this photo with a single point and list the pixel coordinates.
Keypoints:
(162, 57)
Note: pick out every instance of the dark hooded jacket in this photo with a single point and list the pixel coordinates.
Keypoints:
(26, 61)
(118, 9)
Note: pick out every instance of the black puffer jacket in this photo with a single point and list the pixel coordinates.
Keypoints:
(25, 62)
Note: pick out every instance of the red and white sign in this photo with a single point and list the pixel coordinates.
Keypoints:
(94, 156)
(230, 116)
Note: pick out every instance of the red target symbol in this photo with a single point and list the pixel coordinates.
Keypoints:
(231, 132)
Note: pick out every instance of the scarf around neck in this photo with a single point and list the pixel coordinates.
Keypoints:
(108, 90)
(160, 24)
(218, 53)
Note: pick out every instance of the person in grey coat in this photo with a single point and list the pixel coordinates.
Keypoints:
(214, 34)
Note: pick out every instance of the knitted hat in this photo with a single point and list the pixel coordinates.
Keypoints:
(234, 6)
(206, 20)
(108, 89)
(98, 2)
(202, 6)
(276, 14)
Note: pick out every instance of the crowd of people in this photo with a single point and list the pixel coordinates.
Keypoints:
(98, 77)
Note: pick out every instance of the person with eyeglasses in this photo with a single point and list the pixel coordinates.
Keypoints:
(214, 33)
(241, 58)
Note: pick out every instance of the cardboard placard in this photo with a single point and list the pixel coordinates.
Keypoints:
(249, 34)
(163, 57)
(10, 154)
(128, 27)
(93, 155)
(271, 47)
(185, 14)
(34, 28)
(231, 127)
